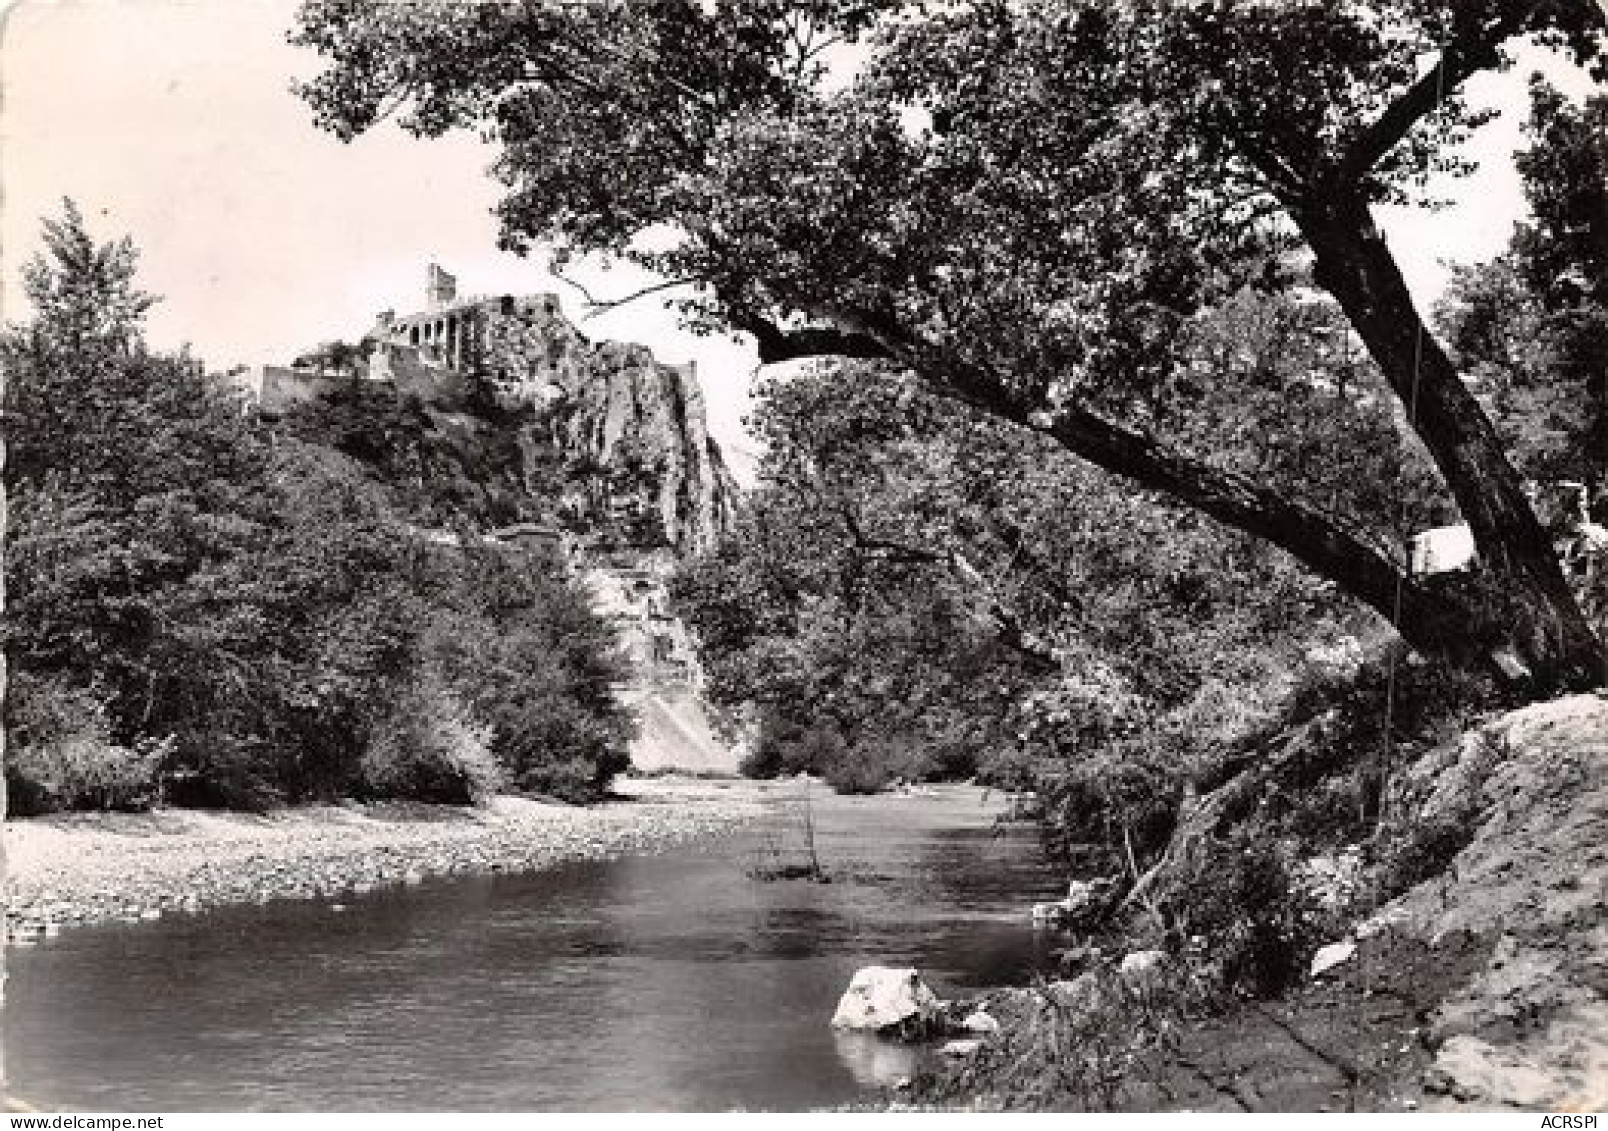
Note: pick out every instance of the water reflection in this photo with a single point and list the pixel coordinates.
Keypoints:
(874, 1062)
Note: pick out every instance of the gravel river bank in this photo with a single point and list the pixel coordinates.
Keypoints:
(82, 868)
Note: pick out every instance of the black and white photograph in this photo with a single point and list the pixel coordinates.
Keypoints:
(803, 557)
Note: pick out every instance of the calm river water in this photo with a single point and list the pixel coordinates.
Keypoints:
(659, 983)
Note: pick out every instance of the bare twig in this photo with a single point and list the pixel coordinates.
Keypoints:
(596, 306)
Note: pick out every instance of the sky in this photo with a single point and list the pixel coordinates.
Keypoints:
(172, 121)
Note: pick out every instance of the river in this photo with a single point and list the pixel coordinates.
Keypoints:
(667, 982)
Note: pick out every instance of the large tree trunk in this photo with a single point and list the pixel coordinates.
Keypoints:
(1547, 631)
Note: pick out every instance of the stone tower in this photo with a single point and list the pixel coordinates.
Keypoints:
(441, 289)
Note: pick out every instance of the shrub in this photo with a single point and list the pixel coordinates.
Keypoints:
(64, 757)
(225, 770)
(516, 641)
(575, 780)
(87, 772)
(431, 749)
(783, 748)
(553, 747)
(762, 762)
(1119, 799)
(771, 756)
(860, 771)
(1013, 767)
(867, 765)
(1255, 918)
(1088, 1044)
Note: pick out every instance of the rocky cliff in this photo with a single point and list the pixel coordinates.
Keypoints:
(614, 408)
(525, 421)
(1526, 894)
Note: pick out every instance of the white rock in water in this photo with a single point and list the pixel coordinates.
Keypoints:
(1330, 956)
(980, 1021)
(880, 997)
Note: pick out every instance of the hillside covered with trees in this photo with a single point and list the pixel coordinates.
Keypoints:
(205, 610)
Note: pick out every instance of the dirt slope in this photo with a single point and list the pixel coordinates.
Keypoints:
(1530, 1028)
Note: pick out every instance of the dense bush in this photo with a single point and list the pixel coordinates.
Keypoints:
(431, 748)
(551, 746)
(522, 648)
(63, 756)
(870, 762)
(1091, 1043)
(1258, 924)
(1115, 806)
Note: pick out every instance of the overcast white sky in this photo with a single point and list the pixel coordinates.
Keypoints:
(172, 121)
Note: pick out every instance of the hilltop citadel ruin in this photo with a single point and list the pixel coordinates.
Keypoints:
(613, 403)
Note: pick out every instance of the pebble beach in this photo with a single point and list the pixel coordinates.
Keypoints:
(85, 868)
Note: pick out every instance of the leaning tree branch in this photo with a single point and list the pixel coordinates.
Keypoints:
(597, 306)
(1333, 549)
(1459, 60)
(776, 344)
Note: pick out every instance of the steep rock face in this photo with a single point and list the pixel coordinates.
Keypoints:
(524, 420)
(633, 428)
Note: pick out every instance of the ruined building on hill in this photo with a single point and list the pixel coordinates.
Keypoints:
(632, 427)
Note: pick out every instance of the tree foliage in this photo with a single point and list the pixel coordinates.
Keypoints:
(903, 595)
(1531, 326)
(844, 616)
(84, 292)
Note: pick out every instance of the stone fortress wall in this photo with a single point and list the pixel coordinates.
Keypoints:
(522, 345)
